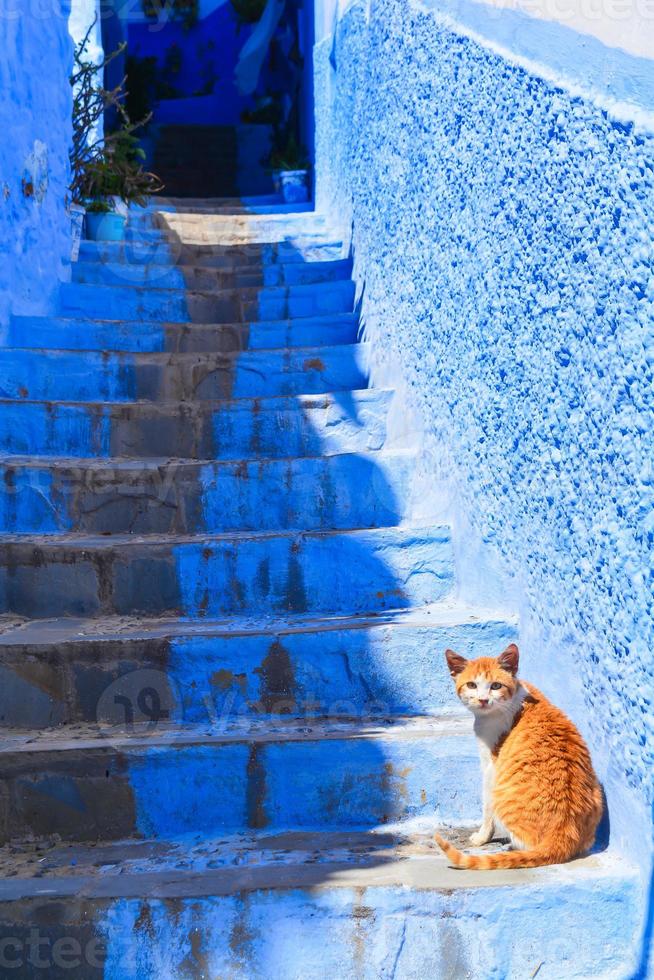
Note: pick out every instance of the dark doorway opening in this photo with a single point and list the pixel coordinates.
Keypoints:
(228, 86)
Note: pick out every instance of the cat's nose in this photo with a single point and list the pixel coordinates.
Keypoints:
(483, 702)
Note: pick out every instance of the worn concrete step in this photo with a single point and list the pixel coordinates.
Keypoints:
(236, 229)
(243, 204)
(226, 306)
(270, 202)
(259, 208)
(154, 248)
(159, 780)
(158, 250)
(216, 243)
(61, 333)
(118, 376)
(305, 425)
(194, 278)
(241, 572)
(163, 202)
(60, 672)
(367, 905)
(182, 496)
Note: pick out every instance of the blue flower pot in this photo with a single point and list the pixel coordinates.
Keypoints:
(293, 185)
(105, 227)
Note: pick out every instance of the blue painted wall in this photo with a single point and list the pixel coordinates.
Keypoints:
(207, 52)
(35, 127)
(501, 226)
(199, 61)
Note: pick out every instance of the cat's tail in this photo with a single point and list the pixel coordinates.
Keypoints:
(534, 858)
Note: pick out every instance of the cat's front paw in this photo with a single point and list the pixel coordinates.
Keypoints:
(480, 837)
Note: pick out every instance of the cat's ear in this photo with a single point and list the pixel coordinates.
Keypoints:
(508, 660)
(455, 662)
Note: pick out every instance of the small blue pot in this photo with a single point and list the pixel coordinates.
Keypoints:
(293, 185)
(105, 227)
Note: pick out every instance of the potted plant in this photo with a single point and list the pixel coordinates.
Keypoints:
(112, 182)
(290, 172)
(90, 100)
(103, 223)
(106, 169)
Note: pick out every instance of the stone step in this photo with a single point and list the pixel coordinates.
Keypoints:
(247, 205)
(197, 278)
(305, 425)
(204, 205)
(104, 376)
(263, 573)
(181, 496)
(234, 229)
(216, 244)
(159, 780)
(226, 306)
(380, 904)
(139, 336)
(301, 215)
(61, 672)
(186, 230)
(156, 249)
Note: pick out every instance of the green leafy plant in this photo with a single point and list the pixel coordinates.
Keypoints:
(90, 100)
(99, 207)
(290, 156)
(119, 172)
(110, 164)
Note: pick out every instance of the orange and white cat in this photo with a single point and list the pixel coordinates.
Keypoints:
(539, 787)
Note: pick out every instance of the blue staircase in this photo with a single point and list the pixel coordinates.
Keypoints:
(228, 733)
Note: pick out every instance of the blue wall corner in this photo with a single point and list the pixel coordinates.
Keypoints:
(34, 227)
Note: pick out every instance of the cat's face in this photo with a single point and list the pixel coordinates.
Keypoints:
(487, 684)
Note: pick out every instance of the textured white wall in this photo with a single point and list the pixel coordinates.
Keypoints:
(624, 24)
(502, 229)
(82, 14)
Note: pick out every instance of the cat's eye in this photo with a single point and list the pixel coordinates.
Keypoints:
(495, 686)
(471, 684)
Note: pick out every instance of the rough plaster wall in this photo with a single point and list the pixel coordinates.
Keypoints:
(35, 62)
(502, 237)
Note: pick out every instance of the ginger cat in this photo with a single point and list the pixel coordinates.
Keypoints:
(538, 780)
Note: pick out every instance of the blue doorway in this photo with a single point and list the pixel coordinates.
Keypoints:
(225, 84)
